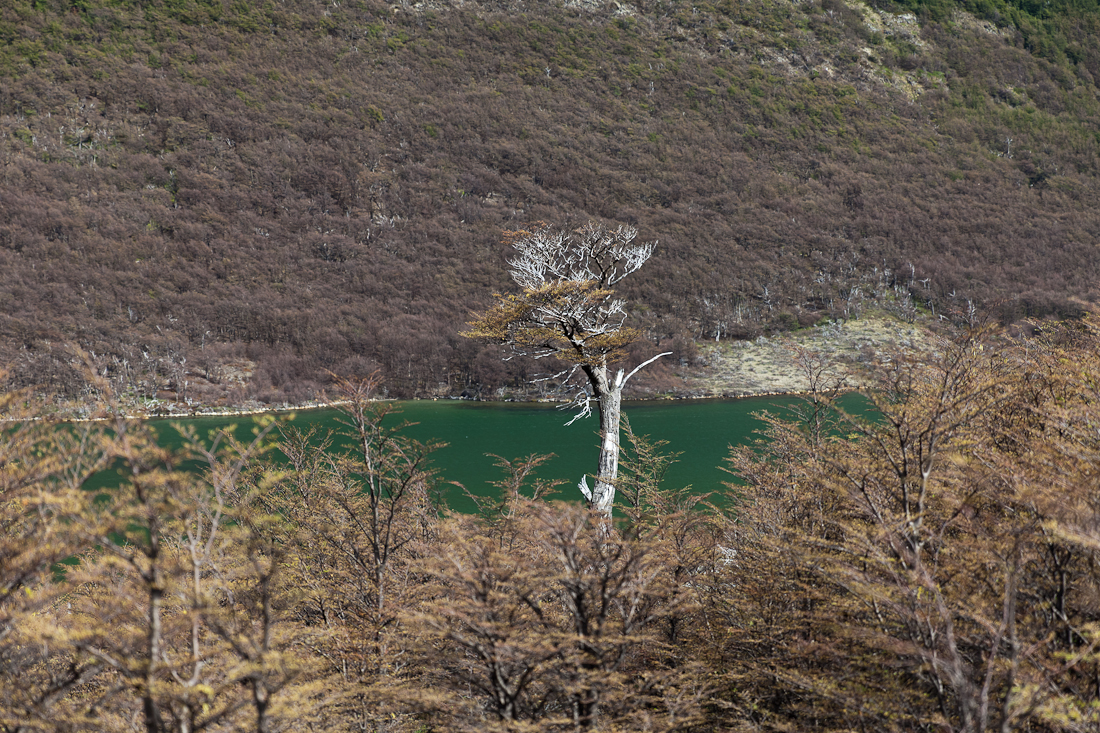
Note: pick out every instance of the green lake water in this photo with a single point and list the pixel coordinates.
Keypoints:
(701, 431)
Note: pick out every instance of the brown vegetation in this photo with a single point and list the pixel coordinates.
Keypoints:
(929, 565)
(309, 188)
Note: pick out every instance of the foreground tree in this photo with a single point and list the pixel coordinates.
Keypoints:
(178, 601)
(568, 311)
(933, 567)
(43, 472)
(557, 626)
(360, 506)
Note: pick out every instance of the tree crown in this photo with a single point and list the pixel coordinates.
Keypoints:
(567, 308)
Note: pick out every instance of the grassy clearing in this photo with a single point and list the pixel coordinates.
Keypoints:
(766, 365)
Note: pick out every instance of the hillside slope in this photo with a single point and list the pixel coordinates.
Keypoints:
(230, 200)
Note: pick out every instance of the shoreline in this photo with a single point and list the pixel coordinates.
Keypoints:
(306, 407)
(730, 370)
(335, 404)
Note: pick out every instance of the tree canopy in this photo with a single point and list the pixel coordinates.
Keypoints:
(930, 566)
(567, 308)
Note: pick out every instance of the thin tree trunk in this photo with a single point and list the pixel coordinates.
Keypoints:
(153, 722)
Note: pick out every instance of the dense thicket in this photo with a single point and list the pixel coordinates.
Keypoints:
(929, 565)
(233, 199)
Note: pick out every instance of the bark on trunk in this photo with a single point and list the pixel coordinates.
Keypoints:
(153, 721)
(610, 413)
(609, 396)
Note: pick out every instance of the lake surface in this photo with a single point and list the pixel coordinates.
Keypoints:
(701, 431)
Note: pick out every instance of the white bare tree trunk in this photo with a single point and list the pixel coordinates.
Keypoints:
(610, 400)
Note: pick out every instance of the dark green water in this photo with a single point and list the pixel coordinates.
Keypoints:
(701, 431)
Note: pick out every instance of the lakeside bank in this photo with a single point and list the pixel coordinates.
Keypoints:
(731, 369)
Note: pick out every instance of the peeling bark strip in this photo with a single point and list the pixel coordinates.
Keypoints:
(568, 311)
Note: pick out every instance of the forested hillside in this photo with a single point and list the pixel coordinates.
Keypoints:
(231, 200)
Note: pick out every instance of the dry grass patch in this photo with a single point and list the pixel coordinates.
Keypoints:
(766, 365)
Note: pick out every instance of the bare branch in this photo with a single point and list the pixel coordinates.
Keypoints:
(645, 363)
